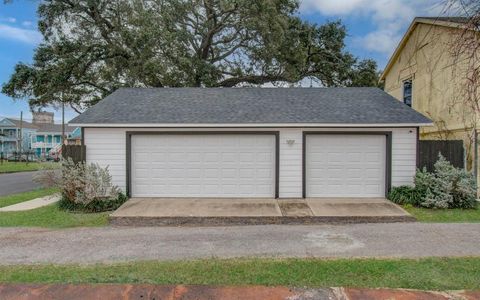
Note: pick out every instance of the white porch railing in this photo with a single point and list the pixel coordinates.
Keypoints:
(44, 145)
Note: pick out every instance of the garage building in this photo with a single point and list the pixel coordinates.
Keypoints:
(253, 142)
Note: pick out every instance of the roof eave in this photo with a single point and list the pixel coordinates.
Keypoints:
(250, 125)
(406, 36)
(398, 49)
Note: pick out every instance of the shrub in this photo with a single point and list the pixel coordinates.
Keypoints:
(84, 187)
(406, 195)
(446, 187)
(97, 205)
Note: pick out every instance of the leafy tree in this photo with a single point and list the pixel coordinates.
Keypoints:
(365, 73)
(92, 47)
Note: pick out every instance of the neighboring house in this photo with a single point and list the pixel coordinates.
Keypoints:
(75, 137)
(425, 74)
(48, 137)
(253, 142)
(42, 135)
(15, 135)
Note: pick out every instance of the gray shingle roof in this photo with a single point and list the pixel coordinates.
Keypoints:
(43, 127)
(17, 123)
(249, 106)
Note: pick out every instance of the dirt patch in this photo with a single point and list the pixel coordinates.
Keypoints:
(199, 292)
(295, 209)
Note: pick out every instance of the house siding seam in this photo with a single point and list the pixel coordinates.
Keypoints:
(107, 147)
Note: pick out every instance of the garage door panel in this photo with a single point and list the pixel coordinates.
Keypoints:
(205, 165)
(246, 157)
(157, 157)
(211, 173)
(373, 157)
(211, 188)
(246, 173)
(345, 165)
(211, 156)
(229, 174)
(354, 174)
(335, 157)
(142, 157)
(354, 157)
(376, 174)
(262, 157)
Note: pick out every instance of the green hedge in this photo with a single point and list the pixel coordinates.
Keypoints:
(98, 205)
(406, 195)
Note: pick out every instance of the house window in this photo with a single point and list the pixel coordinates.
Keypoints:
(407, 92)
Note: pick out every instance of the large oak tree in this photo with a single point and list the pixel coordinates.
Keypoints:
(93, 47)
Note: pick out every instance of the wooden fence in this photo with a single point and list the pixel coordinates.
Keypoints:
(452, 150)
(78, 153)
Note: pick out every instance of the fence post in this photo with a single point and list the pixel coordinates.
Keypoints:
(76, 152)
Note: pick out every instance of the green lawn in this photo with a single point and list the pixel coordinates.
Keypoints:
(12, 167)
(51, 216)
(21, 197)
(444, 215)
(48, 216)
(426, 274)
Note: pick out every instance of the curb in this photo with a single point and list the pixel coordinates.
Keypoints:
(236, 221)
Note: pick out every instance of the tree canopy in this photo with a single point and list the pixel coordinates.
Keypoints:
(93, 47)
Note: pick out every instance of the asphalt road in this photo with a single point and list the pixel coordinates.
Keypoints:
(117, 244)
(12, 183)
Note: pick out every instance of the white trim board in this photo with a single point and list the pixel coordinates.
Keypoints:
(246, 125)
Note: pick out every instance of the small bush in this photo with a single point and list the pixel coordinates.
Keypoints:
(446, 187)
(405, 195)
(84, 187)
(97, 205)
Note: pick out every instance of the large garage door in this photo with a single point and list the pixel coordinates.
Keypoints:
(203, 165)
(345, 165)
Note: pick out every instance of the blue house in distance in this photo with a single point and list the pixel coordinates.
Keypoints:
(42, 135)
(15, 135)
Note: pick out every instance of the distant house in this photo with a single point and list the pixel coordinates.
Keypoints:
(48, 136)
(425, 74)
(15, 135)
(42, 135)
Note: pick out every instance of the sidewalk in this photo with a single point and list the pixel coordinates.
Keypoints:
(148, 291)
(32, 204)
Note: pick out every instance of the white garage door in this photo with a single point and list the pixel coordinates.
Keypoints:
(203, 165)
(345, 165)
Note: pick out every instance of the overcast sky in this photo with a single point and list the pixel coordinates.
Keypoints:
(374, 28)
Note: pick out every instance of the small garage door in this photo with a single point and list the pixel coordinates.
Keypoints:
(345, 165)
(203, 165)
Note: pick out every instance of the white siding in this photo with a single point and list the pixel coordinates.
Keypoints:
(290, 163)
(404, 156)
(107, 147)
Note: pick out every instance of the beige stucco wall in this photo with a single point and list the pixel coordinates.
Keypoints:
(439, 81)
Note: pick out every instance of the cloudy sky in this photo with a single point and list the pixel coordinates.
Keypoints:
(374, 28)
